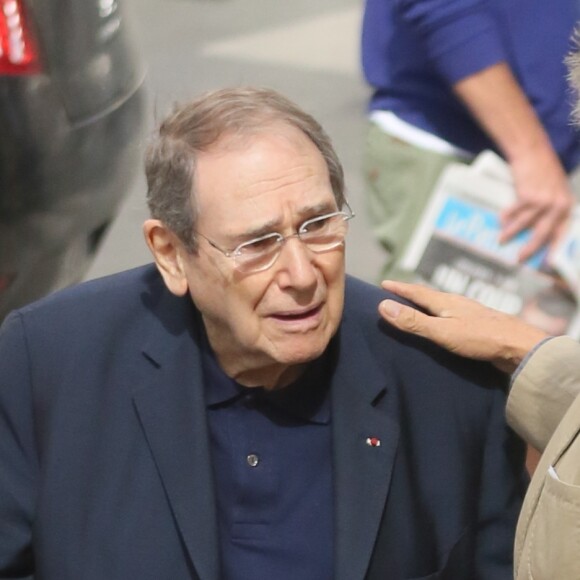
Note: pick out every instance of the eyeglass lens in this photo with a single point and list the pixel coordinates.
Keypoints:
(319, 234)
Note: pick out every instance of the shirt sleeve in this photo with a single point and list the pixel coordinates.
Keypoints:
(527, 358)
(461, 37)
(543, 389)
(18, 458)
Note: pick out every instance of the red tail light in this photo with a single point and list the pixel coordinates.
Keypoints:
(18, 46)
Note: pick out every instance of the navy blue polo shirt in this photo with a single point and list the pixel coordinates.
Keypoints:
(272, 460)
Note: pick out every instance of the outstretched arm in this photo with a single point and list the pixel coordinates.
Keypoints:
(461, 325)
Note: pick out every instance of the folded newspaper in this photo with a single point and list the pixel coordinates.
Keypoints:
(456, 248)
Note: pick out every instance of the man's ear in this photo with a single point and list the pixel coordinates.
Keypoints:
(168, 253)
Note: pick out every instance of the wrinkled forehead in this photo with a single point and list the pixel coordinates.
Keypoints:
(277, 165)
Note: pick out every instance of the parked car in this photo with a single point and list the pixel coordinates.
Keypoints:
(71, 118)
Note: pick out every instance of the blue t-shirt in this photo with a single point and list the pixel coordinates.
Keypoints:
(414, 50)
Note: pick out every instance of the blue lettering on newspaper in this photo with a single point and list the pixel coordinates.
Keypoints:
(480, 227)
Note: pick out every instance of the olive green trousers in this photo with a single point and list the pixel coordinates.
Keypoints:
(399, 178)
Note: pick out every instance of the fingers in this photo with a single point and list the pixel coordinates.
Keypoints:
(443, 309)
(541, 236)
(405, 318)
(516, 219)
(434, 302)
(464, 326)
(545, 231)
(425, 297)
(545, 224)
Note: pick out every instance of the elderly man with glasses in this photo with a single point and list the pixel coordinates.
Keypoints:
(238, 410)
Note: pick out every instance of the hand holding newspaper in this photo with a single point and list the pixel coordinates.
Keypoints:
(456, 248)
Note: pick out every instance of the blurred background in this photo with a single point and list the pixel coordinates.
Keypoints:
(307, 50)
(84, 82)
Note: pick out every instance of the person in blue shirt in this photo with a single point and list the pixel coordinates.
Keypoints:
(451, 78)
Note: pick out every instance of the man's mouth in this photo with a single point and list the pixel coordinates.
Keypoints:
(297, 315)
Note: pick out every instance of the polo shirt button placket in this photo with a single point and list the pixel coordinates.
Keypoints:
(250, 401)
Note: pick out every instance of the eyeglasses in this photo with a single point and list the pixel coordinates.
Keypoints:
(319, 234)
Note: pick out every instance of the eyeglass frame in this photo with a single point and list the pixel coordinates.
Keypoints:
(235, 252)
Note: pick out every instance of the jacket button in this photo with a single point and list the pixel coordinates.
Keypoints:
(252, 460)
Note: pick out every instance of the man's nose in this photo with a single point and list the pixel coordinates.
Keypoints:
(295, 264)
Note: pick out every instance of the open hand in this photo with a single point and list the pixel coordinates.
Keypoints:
(461, 325)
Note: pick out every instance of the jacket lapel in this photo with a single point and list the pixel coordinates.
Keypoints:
(171, 409)
(362, 470)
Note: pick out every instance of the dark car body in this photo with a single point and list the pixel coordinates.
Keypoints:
(71, 117)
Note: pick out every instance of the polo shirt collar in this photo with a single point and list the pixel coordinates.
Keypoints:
(307, 398)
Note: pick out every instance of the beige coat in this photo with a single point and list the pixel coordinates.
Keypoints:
(544, 408)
